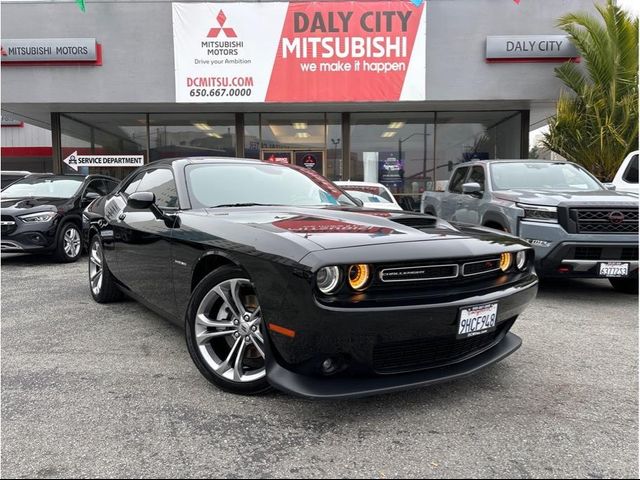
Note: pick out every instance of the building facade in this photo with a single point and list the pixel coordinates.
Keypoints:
(431, 83)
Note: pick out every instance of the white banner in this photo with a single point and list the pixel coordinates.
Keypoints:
(342, 51)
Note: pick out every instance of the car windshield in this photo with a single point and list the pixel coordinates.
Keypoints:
(212, 185)
(541, 176)
(43, 187)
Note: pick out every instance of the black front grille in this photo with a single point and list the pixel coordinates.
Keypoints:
(429, 353)
(610, 220)
(8, 229)
(588, 253)
(417, 273)
(609, 252)
(483, 266)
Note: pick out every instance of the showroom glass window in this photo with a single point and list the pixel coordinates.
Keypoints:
(395, 149)
(103, 134)
(466, 136)
(192, 135)
(310, 140)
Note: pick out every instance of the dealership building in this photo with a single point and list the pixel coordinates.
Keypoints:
(389, 91)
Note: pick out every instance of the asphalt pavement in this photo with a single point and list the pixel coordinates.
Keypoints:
(93, 390)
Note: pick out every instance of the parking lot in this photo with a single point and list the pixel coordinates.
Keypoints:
(110, 391)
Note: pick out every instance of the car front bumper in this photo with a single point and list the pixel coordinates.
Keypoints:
(25, 238)
(562, 254)
(381, 350)
(337, 388)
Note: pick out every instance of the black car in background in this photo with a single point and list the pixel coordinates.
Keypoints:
(282, 280)
(7, 177)
(42, 213)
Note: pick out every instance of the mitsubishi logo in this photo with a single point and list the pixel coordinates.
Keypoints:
(616, 217)
(229, 32)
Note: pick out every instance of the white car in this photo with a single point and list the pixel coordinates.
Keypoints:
(372, 195)
(626, 180)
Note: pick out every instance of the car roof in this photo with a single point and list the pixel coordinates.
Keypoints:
(72, 175)
(195, 160)
(505, 160)
(355, 182)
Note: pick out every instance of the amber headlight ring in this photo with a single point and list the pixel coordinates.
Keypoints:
(359, 276)
(506, 261)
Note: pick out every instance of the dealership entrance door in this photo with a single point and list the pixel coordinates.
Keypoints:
(308, 158)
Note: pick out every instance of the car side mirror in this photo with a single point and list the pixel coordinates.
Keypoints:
(141, 200)
(147, 201)
(472, 188)
(90, 197)
(609, 186)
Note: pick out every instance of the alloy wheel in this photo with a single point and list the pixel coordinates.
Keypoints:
(72, 243)
(95, 267)
(227, 331)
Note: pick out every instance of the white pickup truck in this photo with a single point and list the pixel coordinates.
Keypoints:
(626, 180)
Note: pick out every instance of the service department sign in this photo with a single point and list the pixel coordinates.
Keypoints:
(530, 47)
(47, 50)
(300, 51)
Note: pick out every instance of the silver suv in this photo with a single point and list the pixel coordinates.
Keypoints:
(577, 226)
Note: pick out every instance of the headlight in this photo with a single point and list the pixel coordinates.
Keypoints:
(521, 260)
(538, 213)
(359, 276)
(41, 217)
(506, 259)
(328, 279)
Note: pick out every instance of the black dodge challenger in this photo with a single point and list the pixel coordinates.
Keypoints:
(281, 279)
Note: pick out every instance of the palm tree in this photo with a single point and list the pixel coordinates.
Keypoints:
(596, 124)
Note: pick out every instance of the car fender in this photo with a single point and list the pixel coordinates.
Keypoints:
(496, 216)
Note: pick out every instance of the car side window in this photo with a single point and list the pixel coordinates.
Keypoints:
(161, 183)
(95, 186)
(457, 179)
(132, 186)
(109, 185)
(477, 176)
(631, 173)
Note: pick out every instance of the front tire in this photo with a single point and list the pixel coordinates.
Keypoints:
(224, 334)
(624, 285)
(101, 283)
(69, 244)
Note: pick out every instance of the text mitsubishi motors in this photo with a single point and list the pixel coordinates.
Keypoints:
(299, 52)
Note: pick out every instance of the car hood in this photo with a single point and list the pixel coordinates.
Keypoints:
(331, 228)
(553, 199)
(21, 206)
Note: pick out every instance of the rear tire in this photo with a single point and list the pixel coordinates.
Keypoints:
(625, 285)
(224, 334)
(68, 244)
(101, 283)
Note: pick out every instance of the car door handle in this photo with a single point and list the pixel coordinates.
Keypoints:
(122, 216)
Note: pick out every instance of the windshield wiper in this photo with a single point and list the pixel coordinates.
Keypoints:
(245, 205)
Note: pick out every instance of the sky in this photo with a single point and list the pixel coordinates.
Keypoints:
(632, 6)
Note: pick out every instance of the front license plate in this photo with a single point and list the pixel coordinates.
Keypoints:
(477, 320)
(614, 269)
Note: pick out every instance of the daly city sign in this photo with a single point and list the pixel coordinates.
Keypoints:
(46, 50)
(530, 47)
(300, 51)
